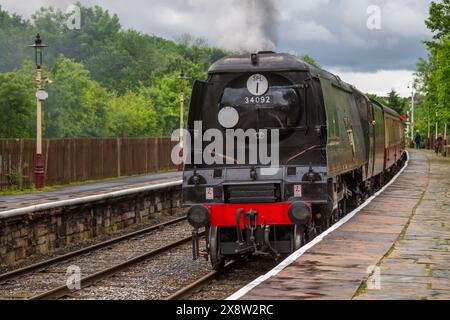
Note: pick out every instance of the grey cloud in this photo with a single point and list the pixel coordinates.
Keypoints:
(332, 31)
(348, 43)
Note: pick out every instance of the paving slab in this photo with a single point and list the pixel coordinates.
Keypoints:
(76, 191)
(404, 232)
(418, 266)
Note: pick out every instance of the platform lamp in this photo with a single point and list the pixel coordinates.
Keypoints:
(40, 96)
(412, 86)
(181, 78)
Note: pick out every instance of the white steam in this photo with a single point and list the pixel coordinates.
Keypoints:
(239, 25)
(252, 26)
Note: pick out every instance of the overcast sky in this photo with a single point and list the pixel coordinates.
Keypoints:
(334, 32)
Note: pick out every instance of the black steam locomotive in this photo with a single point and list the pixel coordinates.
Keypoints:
(334, 148)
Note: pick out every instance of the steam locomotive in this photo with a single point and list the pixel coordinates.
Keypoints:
(335, 147)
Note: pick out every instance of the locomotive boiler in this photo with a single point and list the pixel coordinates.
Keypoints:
(331, 145)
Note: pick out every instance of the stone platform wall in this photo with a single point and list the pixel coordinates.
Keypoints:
(45, 231)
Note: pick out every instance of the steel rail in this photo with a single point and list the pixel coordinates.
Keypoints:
(192, 287)
(63, 291)
(49, 262)
(86, 199)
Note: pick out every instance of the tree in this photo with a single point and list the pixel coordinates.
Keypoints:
(98, 27)
(14, 37)
(17, 106)
(395, 102)
(132, 115)
(309, 60)
(433, 72)
(443, 79)
(377, 98)
(101, 72)
(439, 19)
(77, 104)
(165, 91)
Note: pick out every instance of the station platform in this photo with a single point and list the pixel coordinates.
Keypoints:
(396, 247)
(12, 202)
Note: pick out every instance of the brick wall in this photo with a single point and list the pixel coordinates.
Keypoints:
(43, 232)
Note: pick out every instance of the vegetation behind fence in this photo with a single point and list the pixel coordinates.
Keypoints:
(70, 160)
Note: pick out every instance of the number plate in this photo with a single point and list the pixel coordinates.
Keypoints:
(258, 100)
(209, 193)
(298, 191)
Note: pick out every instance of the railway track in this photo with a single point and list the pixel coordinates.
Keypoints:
(49, 262)
(63, 291)
(198, 284)
(219, 285)
(47, 279)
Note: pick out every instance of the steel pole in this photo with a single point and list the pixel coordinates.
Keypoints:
(181, 165)
(39, 160)
(445, 140)
(437, 124)
(181, 118)
(429, 129)
(412, 117)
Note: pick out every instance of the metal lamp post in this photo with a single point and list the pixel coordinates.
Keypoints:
(413, 94)
(182, 78)
(40, 95)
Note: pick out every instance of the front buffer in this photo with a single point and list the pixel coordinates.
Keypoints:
(265, 229)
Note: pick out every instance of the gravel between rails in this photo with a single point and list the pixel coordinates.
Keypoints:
(167, 273)
(154, 279)
(239, 275)
(55, 275)
(37, 258)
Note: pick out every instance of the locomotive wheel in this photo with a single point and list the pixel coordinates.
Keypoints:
(298, 238)
(217, 261)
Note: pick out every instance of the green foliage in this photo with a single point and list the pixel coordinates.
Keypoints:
(14, 31)
(17, 106)
(393, 101)
(433, 73)
(15, 177)
(397, 103)
(77, 104)
(107, 81)
(131, 115)
(439, 19)
(377, 98)
(309, 60)
(443, 78)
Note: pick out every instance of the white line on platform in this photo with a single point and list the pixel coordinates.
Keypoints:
(292, 258)
(87, 199)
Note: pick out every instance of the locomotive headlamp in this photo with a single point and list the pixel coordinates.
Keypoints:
(300, 214)
(198, 216)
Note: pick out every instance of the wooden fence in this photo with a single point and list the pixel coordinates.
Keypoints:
(70, 160)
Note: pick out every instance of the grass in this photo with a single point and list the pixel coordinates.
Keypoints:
(361, 289)
(16, 190)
